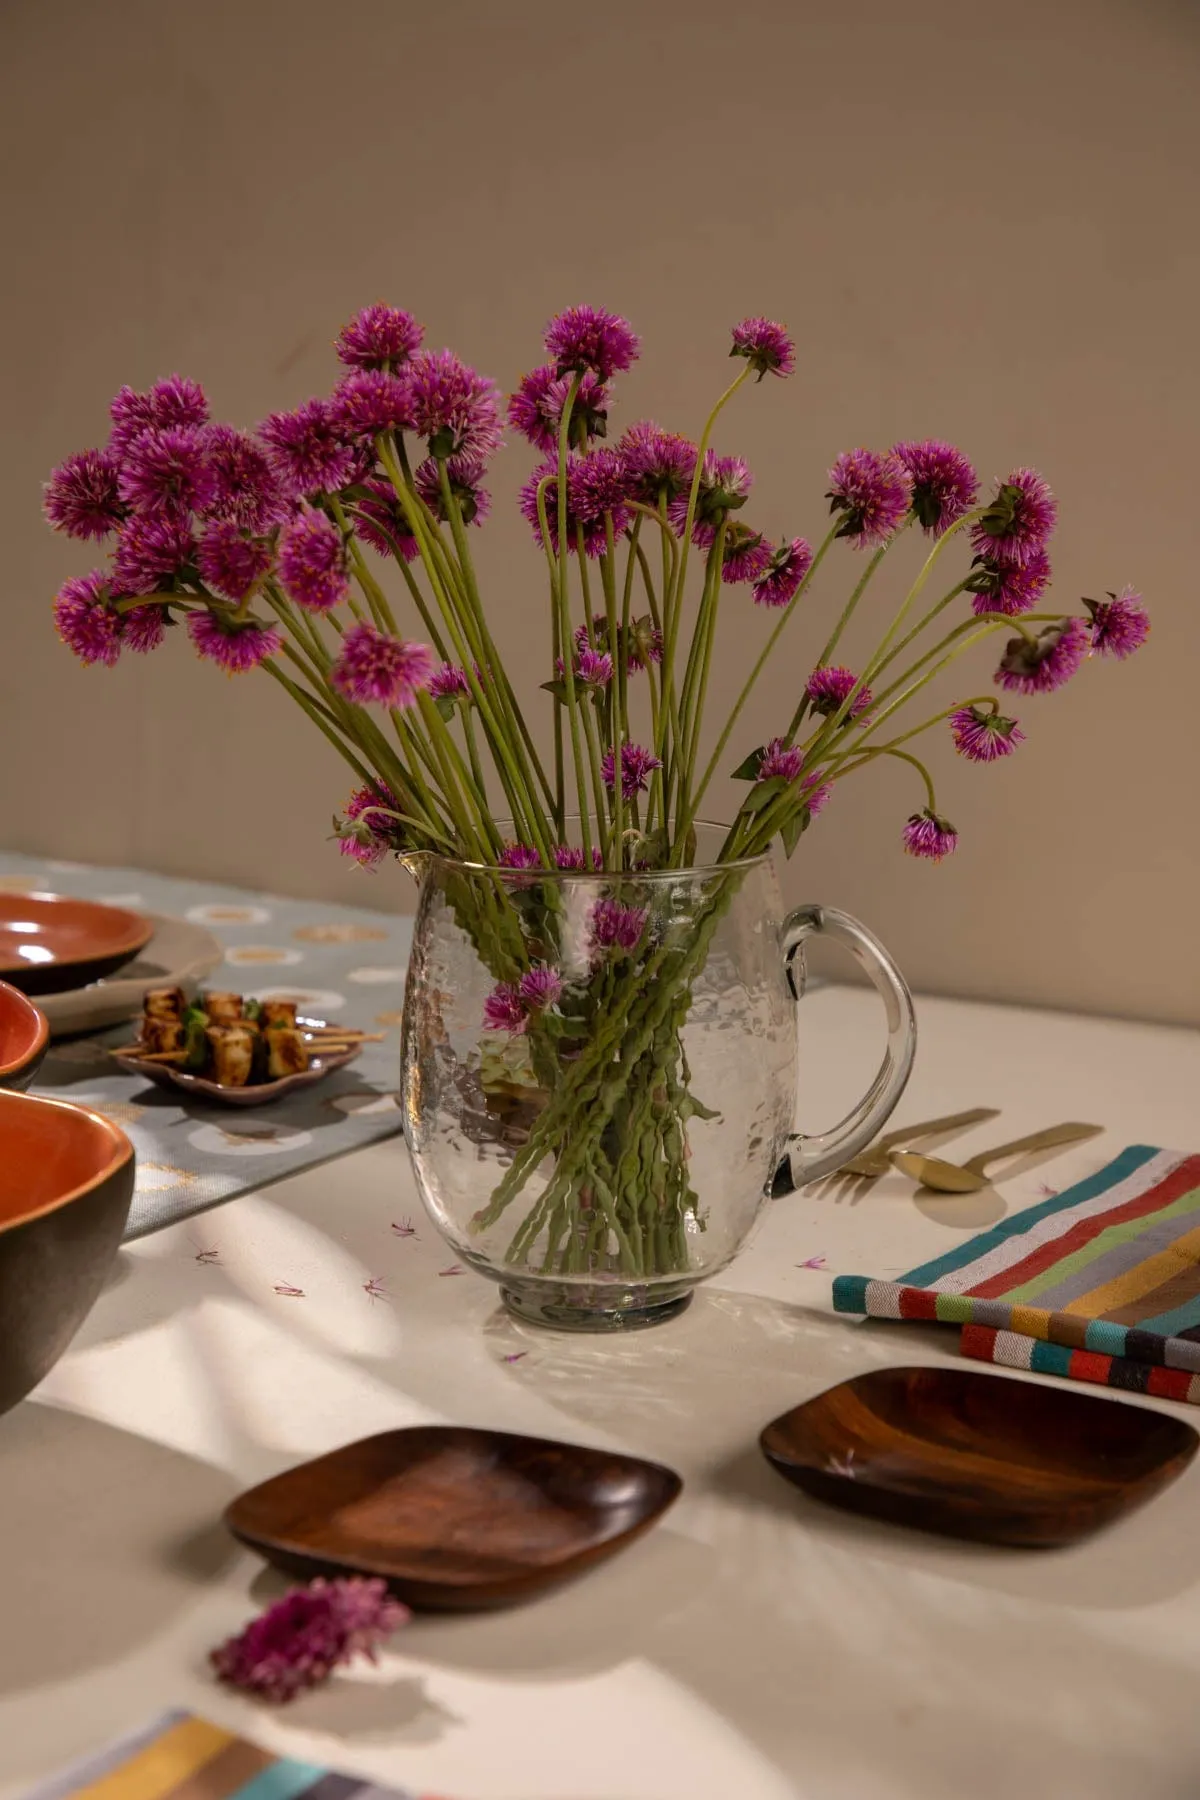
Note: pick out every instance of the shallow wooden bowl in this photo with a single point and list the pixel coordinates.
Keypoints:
(24, 1036)
(978, 1456)
(454, 1519)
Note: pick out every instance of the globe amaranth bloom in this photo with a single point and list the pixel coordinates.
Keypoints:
(1038, 666)
(930, 836)
(780, 760)
(1120, 624)
(244, 486)
(449, 682)
(503, 1009)
(81, 495)
(815, 794)
(174, 403)
(873, 494)
(539, 988)
(590, 338)
(639, 644)
(745, 554)
(829, 686)
(312, 560)
(982, 735)
(375, 667)
(166, 470)
(455, 409)
(381, 521)
(1008, 587)
(229, 561)
(766, 346)
(536, 408)
(465, 477)
(368, 832)
(596, 485)
(369, 401)
(235, 647)
(84, 620)
(379, 337)
(637, 765)
(617, 927)
(780, 580)
(569, 857)
(725, 483)
(519, 856)
(660, 464)
(308, 450)
(299, 1641)
(150, 552)
(944, 484)
(1018, 520)
(143, 628)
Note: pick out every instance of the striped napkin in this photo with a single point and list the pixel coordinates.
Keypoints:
(1100, 1283)
(186, 1758)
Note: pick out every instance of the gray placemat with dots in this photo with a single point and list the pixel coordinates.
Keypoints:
(342, 962)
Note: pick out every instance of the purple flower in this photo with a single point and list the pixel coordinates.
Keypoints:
(778, 584)
(637, 765)
(299, 1641)
(780, 759)
(1120, 624)
(540, 987)
(449, 682)
(725, 483)
(930, 836)
(502, 1010)
(872, 493)
(746, 554)
(377, 337)
(81, 495)
(815, 794)
(84, 620)
(382, 522)
(1018, 521)
(569, 857)
(245, 489)
(660, 464)
(370, 401)
(453, 407)
(372, 832)
(143, 628)
(230, 562)
(1040, 666)
(589, 337)
(465, 474)
(592, 527)
(519, 856)
(766, 347)
(641, 644)
(236, 647)
(308, 451)
(312, 560)
(944, 484)
(536, 409)
(1008, 587)
(828, 687)
(150, 552)
(598, 483)
(372, 666)
(983, 736)
(594, 668)
(174, 403)
(617, 927)
(166, 470)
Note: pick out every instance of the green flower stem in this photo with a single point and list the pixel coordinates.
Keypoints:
(587, 712)
(672, 611)
(320, 719)
(377, 600)
(921, 625)
(469, 738)
(568, 656)
(481, 835)
(850, 760)
(692, 750)
(618, 644)
(709, 598)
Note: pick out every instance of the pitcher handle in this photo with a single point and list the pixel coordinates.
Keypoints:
(808, 1158)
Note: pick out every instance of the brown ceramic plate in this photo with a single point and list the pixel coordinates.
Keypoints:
(24, 1035)
(454, 1519)
(978, 1456)
(50, 941)
(66, 1181)
(165, 1075)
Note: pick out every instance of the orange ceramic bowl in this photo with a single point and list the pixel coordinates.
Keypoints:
(49, 942)
(24, 1035)
(66, 1181)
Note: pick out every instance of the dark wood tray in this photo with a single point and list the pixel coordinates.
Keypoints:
(978, 1456)
(454, 1519)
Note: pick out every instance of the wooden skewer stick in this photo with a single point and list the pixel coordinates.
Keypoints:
(329, 1035)
(149, 1055)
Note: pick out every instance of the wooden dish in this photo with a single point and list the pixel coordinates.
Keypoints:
(261, 1094)
(53, 941)
(978, 1456)
(179, 954)
(454, 1519)
(24, 1035)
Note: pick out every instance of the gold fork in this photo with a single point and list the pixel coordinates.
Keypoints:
(876, 1160)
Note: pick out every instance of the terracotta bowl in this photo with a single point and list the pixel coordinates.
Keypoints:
(66, 1181)
(24, 1035)
(52, 941)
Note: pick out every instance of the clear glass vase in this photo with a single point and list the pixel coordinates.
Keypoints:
(599, 1075)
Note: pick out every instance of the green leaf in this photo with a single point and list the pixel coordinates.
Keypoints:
(445, 706)
(791, 831)
(557, 688)
(763, 794)
(748, 770)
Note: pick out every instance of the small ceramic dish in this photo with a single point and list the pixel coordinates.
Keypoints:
(261, 1093)
(969, 1455)
(454, 1519)
(66, 1181)
(179, 954)
(51, 941)
(24, 1035)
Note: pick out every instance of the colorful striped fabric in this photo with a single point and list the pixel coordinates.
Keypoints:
(1100, 1283)
(185, 1758)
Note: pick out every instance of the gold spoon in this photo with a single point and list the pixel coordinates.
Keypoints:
(875, 1160)
(968, 1177)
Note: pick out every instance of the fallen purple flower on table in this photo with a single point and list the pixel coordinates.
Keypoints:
(208, 1256)
(514, 1356)
(288, 1291)
(374, 1288)
(404, 1228)
(300, 1640)
(454, 1269)
(813, 1262)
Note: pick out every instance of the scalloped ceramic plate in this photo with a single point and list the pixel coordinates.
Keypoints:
(261, 1094)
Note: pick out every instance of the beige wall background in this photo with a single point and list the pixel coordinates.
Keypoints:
(979, 220)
